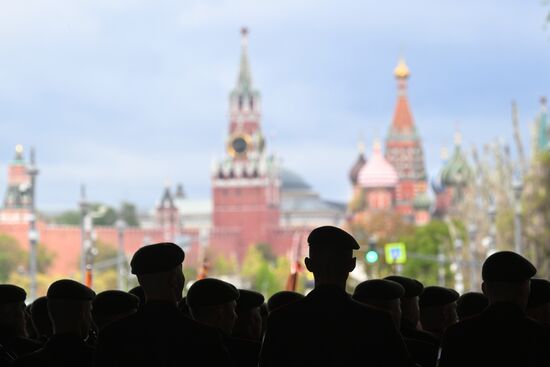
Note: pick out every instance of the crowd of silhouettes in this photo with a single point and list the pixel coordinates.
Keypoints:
(394, 321)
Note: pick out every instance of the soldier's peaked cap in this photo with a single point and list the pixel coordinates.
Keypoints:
(413, 287)
(249, 300)
(114, 302)
(332, 237)
(437, 296)
(10, 293)
(68, 289)
(507, 266)
(540, 292)
(211, 292)
(383, 289)
(157, 258)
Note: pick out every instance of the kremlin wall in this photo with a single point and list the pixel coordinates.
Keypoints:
(254, 198)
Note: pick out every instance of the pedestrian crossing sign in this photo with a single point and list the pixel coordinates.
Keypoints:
(396, 253)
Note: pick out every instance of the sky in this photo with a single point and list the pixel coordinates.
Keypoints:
(126, 96)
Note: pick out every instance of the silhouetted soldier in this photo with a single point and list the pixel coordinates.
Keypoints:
(41, 319)
(69, 306)
(249, 318)
(13, 335)
(182, 306)
(159, 334)
(438, 309)
(538, 307)
(214, 302)
(384, 295)
(110, 306)
(327, 327)
(501, 335)
(410, 310)
(471, 304)
(281, 299)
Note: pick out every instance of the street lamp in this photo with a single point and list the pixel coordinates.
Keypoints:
(121, 256)
(472, 233)
(517, 188)
(32, 171)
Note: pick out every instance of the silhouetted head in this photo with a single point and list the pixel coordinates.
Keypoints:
(41, 319)
(331, 255)
(438, 309)
(506, 278)
(113, 305)
(12, 310)
(382, 294)
(138, 292)
(249, 318)
(158, 268)
(410, 310)
(213, 302)
(69, 306)
(281, 299)
(471, 304)
(538, 307)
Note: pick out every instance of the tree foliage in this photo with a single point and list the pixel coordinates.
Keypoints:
(127, 212)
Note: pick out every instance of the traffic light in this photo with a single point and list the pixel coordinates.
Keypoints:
(371, 256)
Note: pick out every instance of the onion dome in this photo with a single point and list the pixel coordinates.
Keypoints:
(377, 172)
(422, 201)
(457, 171)
(360, 163)
(401, 71)
(437, 183)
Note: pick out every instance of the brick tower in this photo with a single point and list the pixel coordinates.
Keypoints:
(245, 183)
(404, 149)
(17, 200)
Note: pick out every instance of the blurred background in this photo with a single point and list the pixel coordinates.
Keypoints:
(235, 127)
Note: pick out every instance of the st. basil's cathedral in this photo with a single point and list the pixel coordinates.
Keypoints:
(254, 198)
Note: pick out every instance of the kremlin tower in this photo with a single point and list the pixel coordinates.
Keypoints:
(18, 200)
(245, 184)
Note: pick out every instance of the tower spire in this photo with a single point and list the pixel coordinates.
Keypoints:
(402, 118)
(244, 81)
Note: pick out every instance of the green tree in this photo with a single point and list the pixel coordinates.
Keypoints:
(69, 217)
(12, 256)
(423, 246)
(128, 212)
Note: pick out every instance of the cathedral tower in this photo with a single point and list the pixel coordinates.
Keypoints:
(245, 183)
(404, 149)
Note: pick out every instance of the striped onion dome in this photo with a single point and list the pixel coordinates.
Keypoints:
(378, 172)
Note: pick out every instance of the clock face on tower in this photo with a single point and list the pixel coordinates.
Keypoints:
(239, 145)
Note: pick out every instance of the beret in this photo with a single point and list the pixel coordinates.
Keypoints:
(437, 296)
(211, 292)
(540, 292)
(139, 293)
(156, 258)
(281, 299)
(413, 287)
(507, 266)
(114, 302)
(378, 289)
(330, 236)
(67, 289)
(249, 300)
(40, 306)
(471, 304)
(10, 293)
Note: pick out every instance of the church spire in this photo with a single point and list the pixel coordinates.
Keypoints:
(243, 96)
(402, 118)
(244, 81)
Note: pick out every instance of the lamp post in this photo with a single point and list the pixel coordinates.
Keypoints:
(492, 213)
(517, 188)
(472, 233)
(32, 171)
(121, 256)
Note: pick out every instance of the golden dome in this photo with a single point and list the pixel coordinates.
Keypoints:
(19, 149)
(401, 70)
